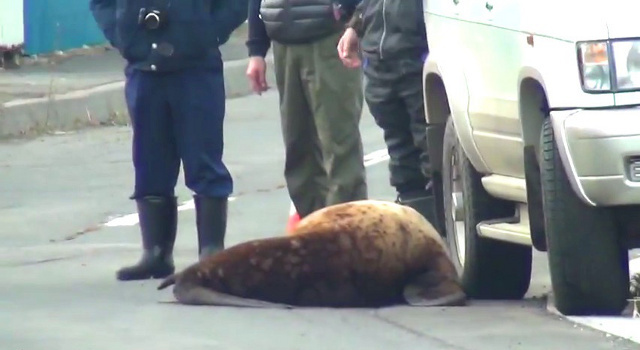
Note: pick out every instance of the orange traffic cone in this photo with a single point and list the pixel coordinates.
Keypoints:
(294, 219)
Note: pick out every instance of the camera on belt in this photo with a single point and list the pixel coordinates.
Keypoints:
(152, 18)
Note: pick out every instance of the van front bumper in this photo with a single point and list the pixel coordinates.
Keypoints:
(600, 152)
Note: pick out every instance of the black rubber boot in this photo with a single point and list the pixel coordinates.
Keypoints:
(424, 202)
(158, 226)
(211, 223)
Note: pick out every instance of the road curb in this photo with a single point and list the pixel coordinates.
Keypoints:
(96, 106)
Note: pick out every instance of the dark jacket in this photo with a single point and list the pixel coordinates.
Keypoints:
(192, 35)
(391, 29)
(305, 22)
(299, 22)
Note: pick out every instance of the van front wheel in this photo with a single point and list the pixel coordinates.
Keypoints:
(588, 262)
(489, 269)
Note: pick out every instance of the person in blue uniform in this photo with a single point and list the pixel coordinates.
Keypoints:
(176, 100)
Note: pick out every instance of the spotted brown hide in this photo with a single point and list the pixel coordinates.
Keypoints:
(359, 254)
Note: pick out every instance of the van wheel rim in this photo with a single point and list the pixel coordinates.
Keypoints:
(457, 210)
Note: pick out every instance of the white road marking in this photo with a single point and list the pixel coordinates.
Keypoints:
(292, 209)
(624, 327)
(375, 157)
(126, 220)
(132, 219)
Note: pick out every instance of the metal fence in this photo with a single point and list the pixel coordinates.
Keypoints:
(51, 25)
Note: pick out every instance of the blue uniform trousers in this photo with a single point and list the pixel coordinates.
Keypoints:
(178, 116)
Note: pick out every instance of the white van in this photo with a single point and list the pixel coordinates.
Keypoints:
(534, 106)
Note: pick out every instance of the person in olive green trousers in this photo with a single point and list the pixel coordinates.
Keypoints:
(321, 100)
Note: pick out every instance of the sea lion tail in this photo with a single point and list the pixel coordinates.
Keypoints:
(169, 281)
(454, 299)
(197, 295)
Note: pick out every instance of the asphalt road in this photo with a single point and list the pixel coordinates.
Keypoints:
(57, 262)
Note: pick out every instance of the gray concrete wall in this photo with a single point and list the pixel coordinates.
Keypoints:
(84, 88)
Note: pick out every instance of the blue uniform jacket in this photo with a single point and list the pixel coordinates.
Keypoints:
(195, 29)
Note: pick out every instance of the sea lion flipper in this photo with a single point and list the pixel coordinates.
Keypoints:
(169, 281)
(197, 295)
(432, 289)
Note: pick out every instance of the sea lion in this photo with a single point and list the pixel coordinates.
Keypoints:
(365, 253)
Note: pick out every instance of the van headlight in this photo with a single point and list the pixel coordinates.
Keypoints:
(594, 66)
(609, 66)
(628, 70)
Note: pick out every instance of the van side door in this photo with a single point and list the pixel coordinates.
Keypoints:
(492, 78)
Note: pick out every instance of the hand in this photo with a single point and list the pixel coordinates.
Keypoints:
(348, 49)
(257, 74)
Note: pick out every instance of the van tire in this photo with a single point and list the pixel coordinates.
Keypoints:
(588, 261)
(492, 269)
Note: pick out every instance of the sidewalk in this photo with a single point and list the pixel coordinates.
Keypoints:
(85, 88)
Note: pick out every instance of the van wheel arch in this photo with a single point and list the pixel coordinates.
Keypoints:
(533, 109)
(437, 108)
